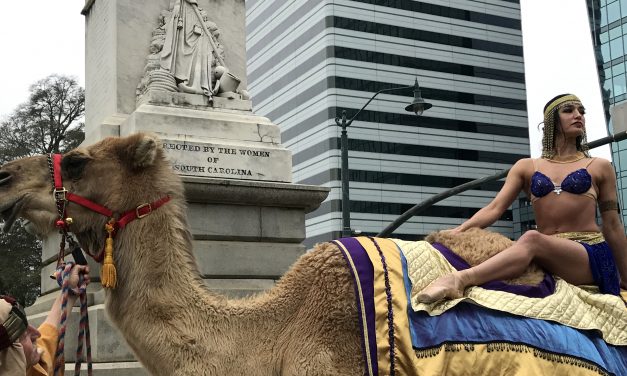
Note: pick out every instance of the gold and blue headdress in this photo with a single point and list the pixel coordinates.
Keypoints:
(550, 121)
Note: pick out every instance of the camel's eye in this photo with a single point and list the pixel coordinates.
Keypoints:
(73, 165)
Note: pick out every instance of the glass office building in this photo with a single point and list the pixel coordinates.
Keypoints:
(608, 21)
(309, 60)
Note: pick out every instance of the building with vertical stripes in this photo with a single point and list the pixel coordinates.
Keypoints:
(310, 59)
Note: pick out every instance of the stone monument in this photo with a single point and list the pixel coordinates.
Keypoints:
(177, 68)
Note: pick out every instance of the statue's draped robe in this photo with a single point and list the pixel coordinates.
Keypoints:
(187, 52)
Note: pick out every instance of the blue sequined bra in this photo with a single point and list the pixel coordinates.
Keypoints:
(578, 182)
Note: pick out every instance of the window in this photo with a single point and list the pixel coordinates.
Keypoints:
(616, 48)
(616, 32)
(620, 86)
(605, 52)
(618, 68)
(607, 86)
(613, 12)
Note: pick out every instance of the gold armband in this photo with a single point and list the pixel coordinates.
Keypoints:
(608, 205)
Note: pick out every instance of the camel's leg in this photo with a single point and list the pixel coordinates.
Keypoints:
(565, 258)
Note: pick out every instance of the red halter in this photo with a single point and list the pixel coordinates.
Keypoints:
(62, 196)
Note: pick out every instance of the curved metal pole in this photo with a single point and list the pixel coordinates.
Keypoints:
(345, 123)
(370, 100)
(472, 184)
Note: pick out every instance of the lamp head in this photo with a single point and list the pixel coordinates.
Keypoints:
(418, 105)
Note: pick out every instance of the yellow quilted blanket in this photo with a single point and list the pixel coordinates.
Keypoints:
(577, 307)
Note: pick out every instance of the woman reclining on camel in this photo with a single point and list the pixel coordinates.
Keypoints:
(564, 186)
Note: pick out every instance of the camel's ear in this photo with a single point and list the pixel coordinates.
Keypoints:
(142, 150)
(146, 152)
(73, 164)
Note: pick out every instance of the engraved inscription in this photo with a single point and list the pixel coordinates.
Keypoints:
(213, 160)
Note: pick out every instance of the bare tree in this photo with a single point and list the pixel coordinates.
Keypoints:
(50, 121)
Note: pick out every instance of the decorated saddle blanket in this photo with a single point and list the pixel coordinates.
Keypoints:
(552, 328)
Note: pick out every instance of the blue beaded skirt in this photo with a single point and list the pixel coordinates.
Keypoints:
(603, 267)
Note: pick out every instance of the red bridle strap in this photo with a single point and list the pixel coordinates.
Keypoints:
(141, 211)
(61, 193)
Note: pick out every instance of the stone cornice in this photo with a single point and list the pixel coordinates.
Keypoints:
(87, 7)
(258, 193)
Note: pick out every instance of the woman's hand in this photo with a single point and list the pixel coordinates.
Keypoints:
(54, 316)
(75, 274)
(454, 231)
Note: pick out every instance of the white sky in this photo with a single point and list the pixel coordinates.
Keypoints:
(559, 59)
(49, 38)
(39, 38)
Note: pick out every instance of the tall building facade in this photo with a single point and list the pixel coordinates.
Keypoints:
(310, 59)
(608, 21)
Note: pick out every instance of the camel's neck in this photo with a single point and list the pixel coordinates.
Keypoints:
(154, 257)
(161, 298)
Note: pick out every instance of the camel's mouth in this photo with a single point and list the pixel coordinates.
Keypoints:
(9, 212)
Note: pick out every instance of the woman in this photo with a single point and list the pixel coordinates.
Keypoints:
(568, 242)
(24, 349)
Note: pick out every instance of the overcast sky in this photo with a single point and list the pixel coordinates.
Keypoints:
(49, 38)
(559, 59)
(39, 38)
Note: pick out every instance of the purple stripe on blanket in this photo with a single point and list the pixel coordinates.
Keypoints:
(365, 278)
(542, 290)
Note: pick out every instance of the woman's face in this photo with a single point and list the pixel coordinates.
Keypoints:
(29, 344)
(572, 120)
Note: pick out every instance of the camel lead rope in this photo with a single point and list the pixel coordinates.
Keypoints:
(83, 336)
(63, 278)
(108, 273)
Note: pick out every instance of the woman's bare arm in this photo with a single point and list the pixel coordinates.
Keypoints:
(514, 183)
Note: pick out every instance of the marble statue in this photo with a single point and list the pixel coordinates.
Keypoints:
(186, 55)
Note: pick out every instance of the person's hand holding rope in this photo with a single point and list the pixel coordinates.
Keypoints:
(26, 348)
(78, 279)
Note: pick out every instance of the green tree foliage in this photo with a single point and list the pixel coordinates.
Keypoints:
(49, 122)
(21, 265)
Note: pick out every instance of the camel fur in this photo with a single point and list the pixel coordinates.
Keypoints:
(306, 325)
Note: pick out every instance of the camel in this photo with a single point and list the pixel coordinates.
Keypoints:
(306, 325)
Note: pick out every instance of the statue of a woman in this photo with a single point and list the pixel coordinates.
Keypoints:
(188, 49)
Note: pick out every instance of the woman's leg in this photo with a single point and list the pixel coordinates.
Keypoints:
(562, 257)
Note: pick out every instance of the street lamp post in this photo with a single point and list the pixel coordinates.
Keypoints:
(417, 106)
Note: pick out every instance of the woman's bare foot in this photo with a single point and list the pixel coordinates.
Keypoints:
(450, 286)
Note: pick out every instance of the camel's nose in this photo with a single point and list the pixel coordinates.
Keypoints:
(5, 177)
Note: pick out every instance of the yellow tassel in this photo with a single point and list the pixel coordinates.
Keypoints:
(108, 273)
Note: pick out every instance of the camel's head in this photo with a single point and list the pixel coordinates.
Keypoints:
(117, 173)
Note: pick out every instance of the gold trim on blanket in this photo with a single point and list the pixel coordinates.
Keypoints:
(404, 351)
(452, 357)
